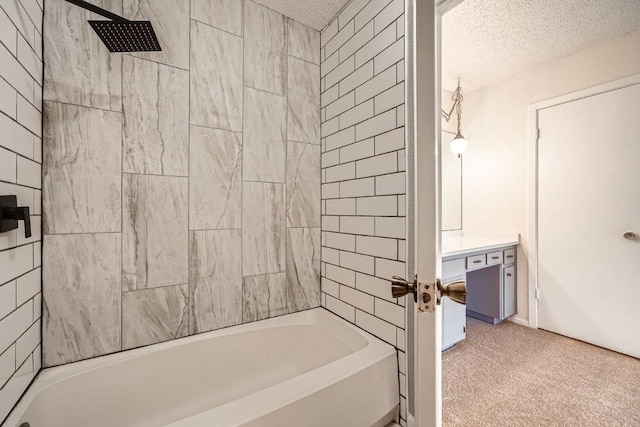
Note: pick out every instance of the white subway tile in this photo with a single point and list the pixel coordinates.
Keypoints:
(37, 149)
(16, 75)
(394, 183)
(388, 57)
(331, 223)
(341, 275)
(400, 26)
(345, 242)
(383, 330)
(400, 71)
(331, 191)
(341, 207)
(36, 232)
(15, 262)
(357, 299)
(340, 308)
(24, 194)
(7, 364)
(375, 126)
(340, 139)
(29, 60)
(329, 64)
(368, 12)
(374, 286)
(390, 141)
(362, 36)
(376, 85)
(340, 72)
(28, 342)
(357, 225)
(10, 238)
(390, 98)
(329, 32)
(29, 116)
(330, 158)
(389, 15)
(37, 306)
(330, 287)
(35, 13)
(402, 162)
(341, 172)
(341, 105)
(377, 206)
(402, 362)
(28, 286)
(357, 188)
(7, 165)
(7, 98)
(355, 79)
(390, 312)
(328, 95)
(400, 338)
(37, 254)
(357, 151)
(394, 227)
(386, 269)
(8, 33)
(403, 383)
(376, 45)
(402, 250)
(20, 18)
(29, 173)
(357, 114)
(350, 11)
(357, 262)
(7, 298)
(400, 116)
(14, 388)
(330, 126)
(377, 246)
(345, 33)
(14, 325)
(15, 137)
(377, 165)
(402, 206)
(37, 362)
(331, 255)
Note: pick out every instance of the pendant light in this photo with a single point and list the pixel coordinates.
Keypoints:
(459, 143)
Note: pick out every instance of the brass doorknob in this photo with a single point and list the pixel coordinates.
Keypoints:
(456, 291)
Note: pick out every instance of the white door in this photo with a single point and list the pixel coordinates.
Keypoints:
(424, 338)
(588, 197)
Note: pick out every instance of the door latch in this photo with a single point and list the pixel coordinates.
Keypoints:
(428, 295)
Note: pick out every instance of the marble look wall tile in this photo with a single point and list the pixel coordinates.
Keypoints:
(303, 268)
(82, 169)
(264, 137)
(79, 69)
(154, 315)
(223, 14)
(216, 78)
(303, 185)
(215, 282)
(263, 228)
(155, 235)
(304, 102)
(81, 297)
(264, 297)
(156, 118)
(215, 181)
(265, 48)
(170, 20)
(304, 42)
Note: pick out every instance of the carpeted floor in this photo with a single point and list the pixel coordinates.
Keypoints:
(508, 375)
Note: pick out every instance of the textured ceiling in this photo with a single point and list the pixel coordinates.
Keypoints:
(314, 13)
(484, 41)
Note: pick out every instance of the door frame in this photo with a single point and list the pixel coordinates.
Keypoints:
(532, 175)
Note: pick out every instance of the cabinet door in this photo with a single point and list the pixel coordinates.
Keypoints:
(454, 323)
(509, 291)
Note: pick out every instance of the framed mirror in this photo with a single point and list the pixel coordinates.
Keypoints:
(451, 185)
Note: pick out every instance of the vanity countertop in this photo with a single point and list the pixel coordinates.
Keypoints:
(464, 244)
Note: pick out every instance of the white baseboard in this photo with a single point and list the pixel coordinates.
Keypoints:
(519, 321)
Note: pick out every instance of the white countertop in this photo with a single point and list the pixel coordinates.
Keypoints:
(467, 243)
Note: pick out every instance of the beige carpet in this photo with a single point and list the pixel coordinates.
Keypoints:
(509, 375)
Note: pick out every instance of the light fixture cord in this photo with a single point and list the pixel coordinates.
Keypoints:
(458, 101)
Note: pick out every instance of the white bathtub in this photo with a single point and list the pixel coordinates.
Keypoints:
(305, 369)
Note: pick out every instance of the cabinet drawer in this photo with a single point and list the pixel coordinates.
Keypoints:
(476, 261)
(494, 258)
(453, 269)
(509, 256)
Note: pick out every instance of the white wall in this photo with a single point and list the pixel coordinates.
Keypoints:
(495, 123)
(20, 158)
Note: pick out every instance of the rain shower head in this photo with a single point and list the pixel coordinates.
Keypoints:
(119, 34)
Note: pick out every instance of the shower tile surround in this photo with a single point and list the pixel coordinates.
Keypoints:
(20, 175)
(182, 187)
(363, 170)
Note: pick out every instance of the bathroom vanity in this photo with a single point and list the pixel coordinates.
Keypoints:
(488, 264)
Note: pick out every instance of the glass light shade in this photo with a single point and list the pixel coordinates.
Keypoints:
(459, 144)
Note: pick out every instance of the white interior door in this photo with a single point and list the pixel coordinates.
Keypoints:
(588, 197)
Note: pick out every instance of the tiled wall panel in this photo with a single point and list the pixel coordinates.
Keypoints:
(363, 183)
(20, 175)
(182, 187)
